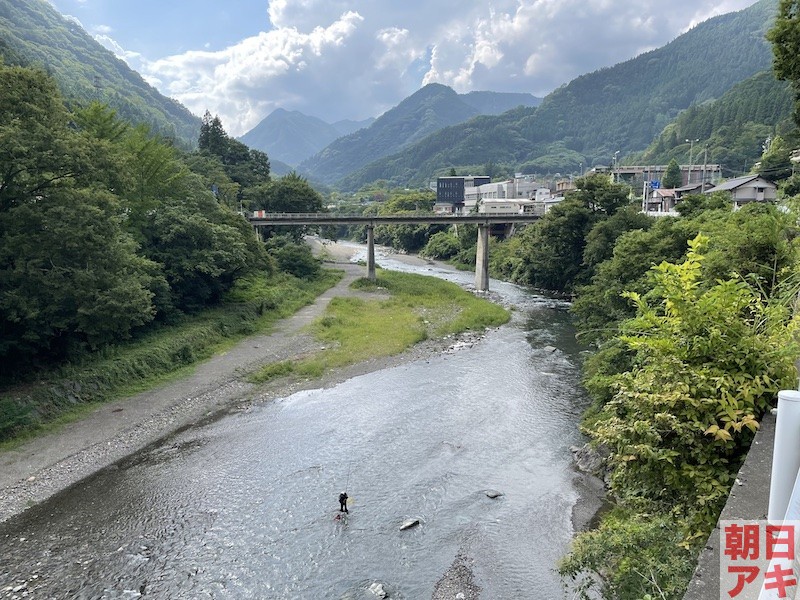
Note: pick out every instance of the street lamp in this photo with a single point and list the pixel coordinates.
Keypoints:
(615, 177)
(691, 147)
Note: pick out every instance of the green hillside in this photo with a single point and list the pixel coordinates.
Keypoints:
(427, 110)
(33, 33)
(732, 129)
(584, 122)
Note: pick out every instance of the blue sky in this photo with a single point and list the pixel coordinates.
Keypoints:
(353, 59)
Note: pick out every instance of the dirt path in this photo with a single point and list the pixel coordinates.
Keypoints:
(52, 462)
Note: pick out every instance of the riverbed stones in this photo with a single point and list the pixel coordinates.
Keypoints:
(408, 524)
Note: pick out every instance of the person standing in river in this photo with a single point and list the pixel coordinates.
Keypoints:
(343, 502)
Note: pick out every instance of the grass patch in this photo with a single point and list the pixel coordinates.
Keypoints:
(357, 329)
(157, 356)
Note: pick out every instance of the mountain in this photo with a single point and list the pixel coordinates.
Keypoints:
(495, 103)
(348, 126)
(290, 136)
(583, 123)
(427, 110)
(732, 129)
(34, 33)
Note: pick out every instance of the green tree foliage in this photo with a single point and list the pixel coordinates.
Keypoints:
(293, 257)
(731, 128)
(102, 227)
(673, 177)
(629, 556)
(554, 247)
(600, 305)
(35, 34)
(441, 245)
(603, 236)
(709, 360)
(693, 205)
(775, 164)
(785, 39)
(69, 274)
(290, 193)
(598, 193)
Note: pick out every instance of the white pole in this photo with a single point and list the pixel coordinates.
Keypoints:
(785, 455)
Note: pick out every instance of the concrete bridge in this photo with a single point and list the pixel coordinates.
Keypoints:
(483, 220)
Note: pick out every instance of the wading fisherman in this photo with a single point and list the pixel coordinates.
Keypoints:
(343, 502)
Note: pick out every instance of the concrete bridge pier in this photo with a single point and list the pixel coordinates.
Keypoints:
(482, 259)
(371, 253)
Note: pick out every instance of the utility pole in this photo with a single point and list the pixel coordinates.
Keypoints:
(705, 162)
(691, 147)
(615, 177)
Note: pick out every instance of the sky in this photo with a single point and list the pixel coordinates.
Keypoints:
(355, 59)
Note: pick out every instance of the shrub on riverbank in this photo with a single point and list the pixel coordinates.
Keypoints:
(253, 305)
(357, 329)
(706, 360)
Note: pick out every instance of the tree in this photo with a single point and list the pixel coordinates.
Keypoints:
(290, 193)
(673, 178)
(213, 138)
(785, 39)
(599, 194)
(775, 163)
(70, 276)
(709, 360)
(554, 247)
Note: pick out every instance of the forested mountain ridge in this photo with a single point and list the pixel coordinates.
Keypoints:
(33, 33)
(584, 122)
(731, 129)
(424, 112)
(495, 103)
(292, 137)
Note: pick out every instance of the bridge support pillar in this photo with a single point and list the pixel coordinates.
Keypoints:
(482, 260)
(371, 253)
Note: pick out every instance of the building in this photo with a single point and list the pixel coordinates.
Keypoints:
(450, 192)
(660, 202)
(750, 188)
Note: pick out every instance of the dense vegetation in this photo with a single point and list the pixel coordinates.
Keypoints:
(732, 129)
(34, 34)
(108, 233)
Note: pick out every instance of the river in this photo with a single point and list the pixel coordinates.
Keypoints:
(245, 504)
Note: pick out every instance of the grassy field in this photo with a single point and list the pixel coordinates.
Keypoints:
(160, 355)
(417, 308)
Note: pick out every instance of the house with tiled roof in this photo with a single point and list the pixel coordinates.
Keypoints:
(746, 189)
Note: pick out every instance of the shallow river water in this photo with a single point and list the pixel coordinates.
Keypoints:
(245, 505)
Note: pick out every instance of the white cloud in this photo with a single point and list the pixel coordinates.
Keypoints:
(355, 58)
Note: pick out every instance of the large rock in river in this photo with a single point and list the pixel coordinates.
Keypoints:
(409, 523)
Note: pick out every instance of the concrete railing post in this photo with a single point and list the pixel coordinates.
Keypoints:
(786, 454)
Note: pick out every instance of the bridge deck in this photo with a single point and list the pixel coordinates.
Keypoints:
(410, 219)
